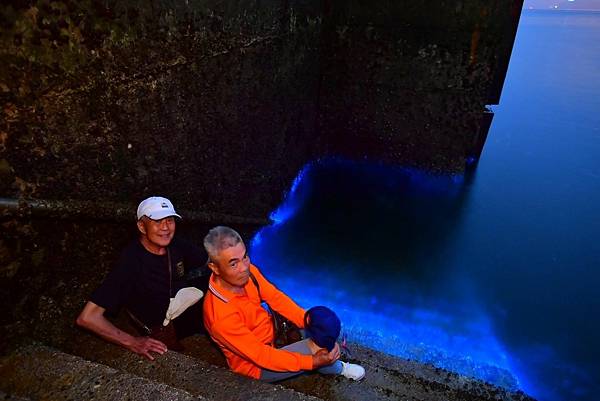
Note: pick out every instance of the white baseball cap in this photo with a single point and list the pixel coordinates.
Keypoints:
(156, 208)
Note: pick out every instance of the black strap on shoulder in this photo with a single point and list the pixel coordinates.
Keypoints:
(170, 273)
(255, 281)
(142, 328)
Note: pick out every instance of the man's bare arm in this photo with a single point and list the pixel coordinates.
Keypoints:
(92, 318)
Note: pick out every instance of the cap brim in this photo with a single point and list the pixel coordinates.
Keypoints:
(162, 214)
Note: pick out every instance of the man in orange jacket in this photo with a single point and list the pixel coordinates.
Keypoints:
(243, 329)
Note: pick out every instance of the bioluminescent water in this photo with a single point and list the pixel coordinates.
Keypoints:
(493, 276)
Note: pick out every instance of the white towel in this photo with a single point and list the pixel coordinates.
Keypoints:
(184, 298)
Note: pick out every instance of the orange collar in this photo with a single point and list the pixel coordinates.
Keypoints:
(220, 292)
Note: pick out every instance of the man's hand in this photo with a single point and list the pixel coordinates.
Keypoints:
(324, 358)
(145, 345)
(92, 318)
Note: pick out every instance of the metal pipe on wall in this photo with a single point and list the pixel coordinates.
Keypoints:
(111, 211)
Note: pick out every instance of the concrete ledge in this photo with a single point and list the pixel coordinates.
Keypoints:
(388, 378)
(202, 371)
(433, 379)
(40, 372)
(391, 378)
(193, 375)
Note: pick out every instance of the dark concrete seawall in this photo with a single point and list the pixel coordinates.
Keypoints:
(217, 105)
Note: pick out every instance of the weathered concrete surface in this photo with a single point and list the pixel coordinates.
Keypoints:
(117, 99)
(11, 397)
(392, 378)
(195, 376)
(410, 80)
(44, 373)
(388, 378)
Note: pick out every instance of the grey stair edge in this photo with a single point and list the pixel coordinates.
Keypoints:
(41, 372)
(388, 377)
(383, 383)
(181, 371)
(430, 373)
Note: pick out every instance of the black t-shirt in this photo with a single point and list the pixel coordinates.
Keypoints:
(140, 280)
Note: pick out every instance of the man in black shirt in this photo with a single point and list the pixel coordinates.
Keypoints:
(147, 280)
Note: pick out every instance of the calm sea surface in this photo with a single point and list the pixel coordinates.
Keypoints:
(495, 276)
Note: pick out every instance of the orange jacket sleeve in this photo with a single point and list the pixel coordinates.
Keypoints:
(277, 300)
(231, 331)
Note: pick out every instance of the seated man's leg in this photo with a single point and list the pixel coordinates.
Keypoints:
(302, 348)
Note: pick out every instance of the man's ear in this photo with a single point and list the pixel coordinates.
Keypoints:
(141, 226)
(213, 266)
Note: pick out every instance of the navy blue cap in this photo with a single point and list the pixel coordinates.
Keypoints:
(323, 326)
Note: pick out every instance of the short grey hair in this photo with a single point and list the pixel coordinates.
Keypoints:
(219, 238)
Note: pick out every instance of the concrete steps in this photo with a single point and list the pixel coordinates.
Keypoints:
(174, 370)
(391, 378)
(42, 373)
(99, 370)
(388, 378)
(39, 372)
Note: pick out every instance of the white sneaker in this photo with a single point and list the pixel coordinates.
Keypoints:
(352, 371)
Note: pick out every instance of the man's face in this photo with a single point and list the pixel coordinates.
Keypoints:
(157, 233)
(232, 266)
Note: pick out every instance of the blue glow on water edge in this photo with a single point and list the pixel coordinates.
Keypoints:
(456, 337)
(284, 212)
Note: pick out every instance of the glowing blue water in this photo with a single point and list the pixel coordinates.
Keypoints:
(495, 278)
(400, 319)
